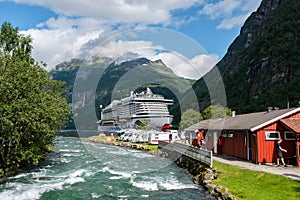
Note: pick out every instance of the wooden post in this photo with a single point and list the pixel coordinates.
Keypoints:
(298, 151)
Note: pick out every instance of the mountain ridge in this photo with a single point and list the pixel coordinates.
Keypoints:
(261, 66)
(116, 81)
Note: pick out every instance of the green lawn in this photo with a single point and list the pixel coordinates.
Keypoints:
(152, 147)
(247, 184)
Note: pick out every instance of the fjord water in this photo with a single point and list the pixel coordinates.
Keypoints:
(80, 170)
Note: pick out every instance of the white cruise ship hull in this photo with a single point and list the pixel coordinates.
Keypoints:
(155, 123)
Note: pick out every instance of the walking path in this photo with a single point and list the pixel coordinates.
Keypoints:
(290, 171)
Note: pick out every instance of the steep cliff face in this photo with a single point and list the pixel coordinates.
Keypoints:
(254, 27)
(262, 66)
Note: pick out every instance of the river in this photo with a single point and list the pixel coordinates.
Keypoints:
(80, 170)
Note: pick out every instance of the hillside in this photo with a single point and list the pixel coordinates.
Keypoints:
(80, 74)
(262, 66)
(99, 82)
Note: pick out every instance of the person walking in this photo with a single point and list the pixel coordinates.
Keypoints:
(279, 151)
(199, 137)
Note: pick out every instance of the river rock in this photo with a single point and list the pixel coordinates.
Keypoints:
(228, 196)
(209, 177)
(210, 187)
(220, 189)
(205, 182)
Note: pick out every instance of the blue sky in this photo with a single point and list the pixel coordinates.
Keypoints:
(62, 28)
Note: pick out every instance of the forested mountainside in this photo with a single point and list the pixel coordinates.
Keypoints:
(116, 80)
(67, 72)
(262, 66)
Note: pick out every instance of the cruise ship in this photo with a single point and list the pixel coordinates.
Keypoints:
(130, 111)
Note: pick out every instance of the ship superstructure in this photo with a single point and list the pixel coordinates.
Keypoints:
(130, 111)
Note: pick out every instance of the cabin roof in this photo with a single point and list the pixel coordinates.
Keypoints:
(251, 121)
(292, 123)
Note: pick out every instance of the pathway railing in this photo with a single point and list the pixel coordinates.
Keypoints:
(201, 155)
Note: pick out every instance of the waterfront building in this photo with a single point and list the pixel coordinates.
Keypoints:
(253, 136)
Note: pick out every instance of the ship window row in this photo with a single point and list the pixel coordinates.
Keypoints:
(131, 109)
(160, 105)
(151, 110)
(151, 106)
(149, 114)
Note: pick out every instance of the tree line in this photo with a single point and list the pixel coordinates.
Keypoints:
(33, 107)
(191, 117)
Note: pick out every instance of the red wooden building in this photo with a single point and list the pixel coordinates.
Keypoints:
(254, 136)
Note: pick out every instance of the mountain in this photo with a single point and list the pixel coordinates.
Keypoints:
(262, 66)
(80, 77)
(96, 83)
(260, 69)
(119, 79)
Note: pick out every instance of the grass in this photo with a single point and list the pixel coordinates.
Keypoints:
(247, 184)
(152, 147)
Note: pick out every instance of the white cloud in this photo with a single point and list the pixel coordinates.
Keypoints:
(72, 38)
(63, 40)
(193, 68)
(60, 39)
(221, 9)
(115, 49)
(231, 12)
(121, 50)
(116, 11)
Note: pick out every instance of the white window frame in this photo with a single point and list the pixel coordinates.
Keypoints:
(224, 134)
(286, 137)
(231, 134)
(267, 134)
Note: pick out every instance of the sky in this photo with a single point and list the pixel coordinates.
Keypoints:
(183, 32)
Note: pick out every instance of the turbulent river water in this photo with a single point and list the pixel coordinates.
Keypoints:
(80, 170)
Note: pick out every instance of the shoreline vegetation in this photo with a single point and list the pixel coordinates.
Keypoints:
(110, 140)
(241, 183)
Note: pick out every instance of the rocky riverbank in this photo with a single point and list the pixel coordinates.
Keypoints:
(203, 175)
(107, 140)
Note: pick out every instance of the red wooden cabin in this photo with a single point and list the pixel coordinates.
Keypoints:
(253, 136)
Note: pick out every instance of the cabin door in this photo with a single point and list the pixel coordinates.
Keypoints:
(249, 144)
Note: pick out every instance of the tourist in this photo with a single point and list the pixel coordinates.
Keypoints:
(279, 151)
(198, 141)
